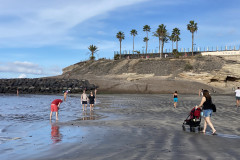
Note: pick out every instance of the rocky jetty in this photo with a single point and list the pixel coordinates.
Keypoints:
(44, 85)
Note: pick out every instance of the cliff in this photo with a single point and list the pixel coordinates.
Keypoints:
(219, 74)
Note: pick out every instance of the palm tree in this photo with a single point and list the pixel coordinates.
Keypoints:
(93, 49)
(133, 33)
(192, 27)
(162, 34)
(145, 39)
(172, 39)
(176, 33)
(120, 35)
(146, 29)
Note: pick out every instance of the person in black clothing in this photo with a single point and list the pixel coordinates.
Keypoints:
(92, 99)
(206, 105)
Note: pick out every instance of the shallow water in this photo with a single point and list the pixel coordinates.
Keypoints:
(25, 123)
(25, 129)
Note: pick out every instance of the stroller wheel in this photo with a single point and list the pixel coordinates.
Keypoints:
(192, 129)
(183, 127)
(199, 128)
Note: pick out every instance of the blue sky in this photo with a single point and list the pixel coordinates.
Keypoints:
(40, 37)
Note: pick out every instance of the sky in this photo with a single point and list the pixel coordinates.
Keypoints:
(39, 38)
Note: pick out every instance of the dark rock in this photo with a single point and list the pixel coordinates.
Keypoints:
(43, 85)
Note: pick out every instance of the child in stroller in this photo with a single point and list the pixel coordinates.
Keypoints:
(193, 120)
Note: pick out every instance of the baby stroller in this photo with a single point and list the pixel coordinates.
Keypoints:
(193, 120)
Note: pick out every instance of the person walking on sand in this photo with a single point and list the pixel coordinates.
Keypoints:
(84, 100)
(55, 107)
(92, 99)
(175, 99)
(237, 91)
(206, 105)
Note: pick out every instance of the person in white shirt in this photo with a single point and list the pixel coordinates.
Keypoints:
(237, 91)
(84, 100)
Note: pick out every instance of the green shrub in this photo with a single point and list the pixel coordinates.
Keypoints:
(92, 57)
(188, 67)
(176, 54)
(116, 56)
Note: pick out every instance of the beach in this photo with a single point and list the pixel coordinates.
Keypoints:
(122, 126)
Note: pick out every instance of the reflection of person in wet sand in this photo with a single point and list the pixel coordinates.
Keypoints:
(54, 107)
(90, 117)
(55, 134)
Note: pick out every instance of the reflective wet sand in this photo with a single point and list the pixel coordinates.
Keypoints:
(134, 127)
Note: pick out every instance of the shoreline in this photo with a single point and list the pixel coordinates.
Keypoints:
(148, 127)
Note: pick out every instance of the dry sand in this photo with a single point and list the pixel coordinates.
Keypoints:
(148, 127)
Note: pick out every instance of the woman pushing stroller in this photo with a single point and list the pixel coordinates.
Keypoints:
(206, 105)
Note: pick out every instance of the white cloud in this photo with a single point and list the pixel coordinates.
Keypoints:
(28, 68)
(34, 22)
(22, 76)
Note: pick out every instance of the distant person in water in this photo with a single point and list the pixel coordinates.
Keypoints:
(175, 99)
(84, 100)
(17, 92)
(55, 107)
(92, 99)
(200, 93)
(237, 91)
(65, 95)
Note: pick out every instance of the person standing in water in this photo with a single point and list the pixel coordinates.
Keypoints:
(175, 99)
(92, 99)
(55, 107)
(65, 95)
(237, 91)
(200, 93)
(84, 100)
(206, 105)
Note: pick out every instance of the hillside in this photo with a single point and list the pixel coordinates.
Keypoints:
(187, 75)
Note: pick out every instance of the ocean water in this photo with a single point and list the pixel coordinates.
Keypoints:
(25, 126)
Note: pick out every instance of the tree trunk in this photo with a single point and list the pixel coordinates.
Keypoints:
(147, 43)
(120, 49)
(159, 48)
(133, 44)
(192, 42)
(162, 49)
(177, 45)
(172, 46)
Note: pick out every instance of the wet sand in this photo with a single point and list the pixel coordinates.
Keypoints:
(148, 127)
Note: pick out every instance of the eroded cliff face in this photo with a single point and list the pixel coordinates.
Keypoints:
(221, 72)
(160, 75)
